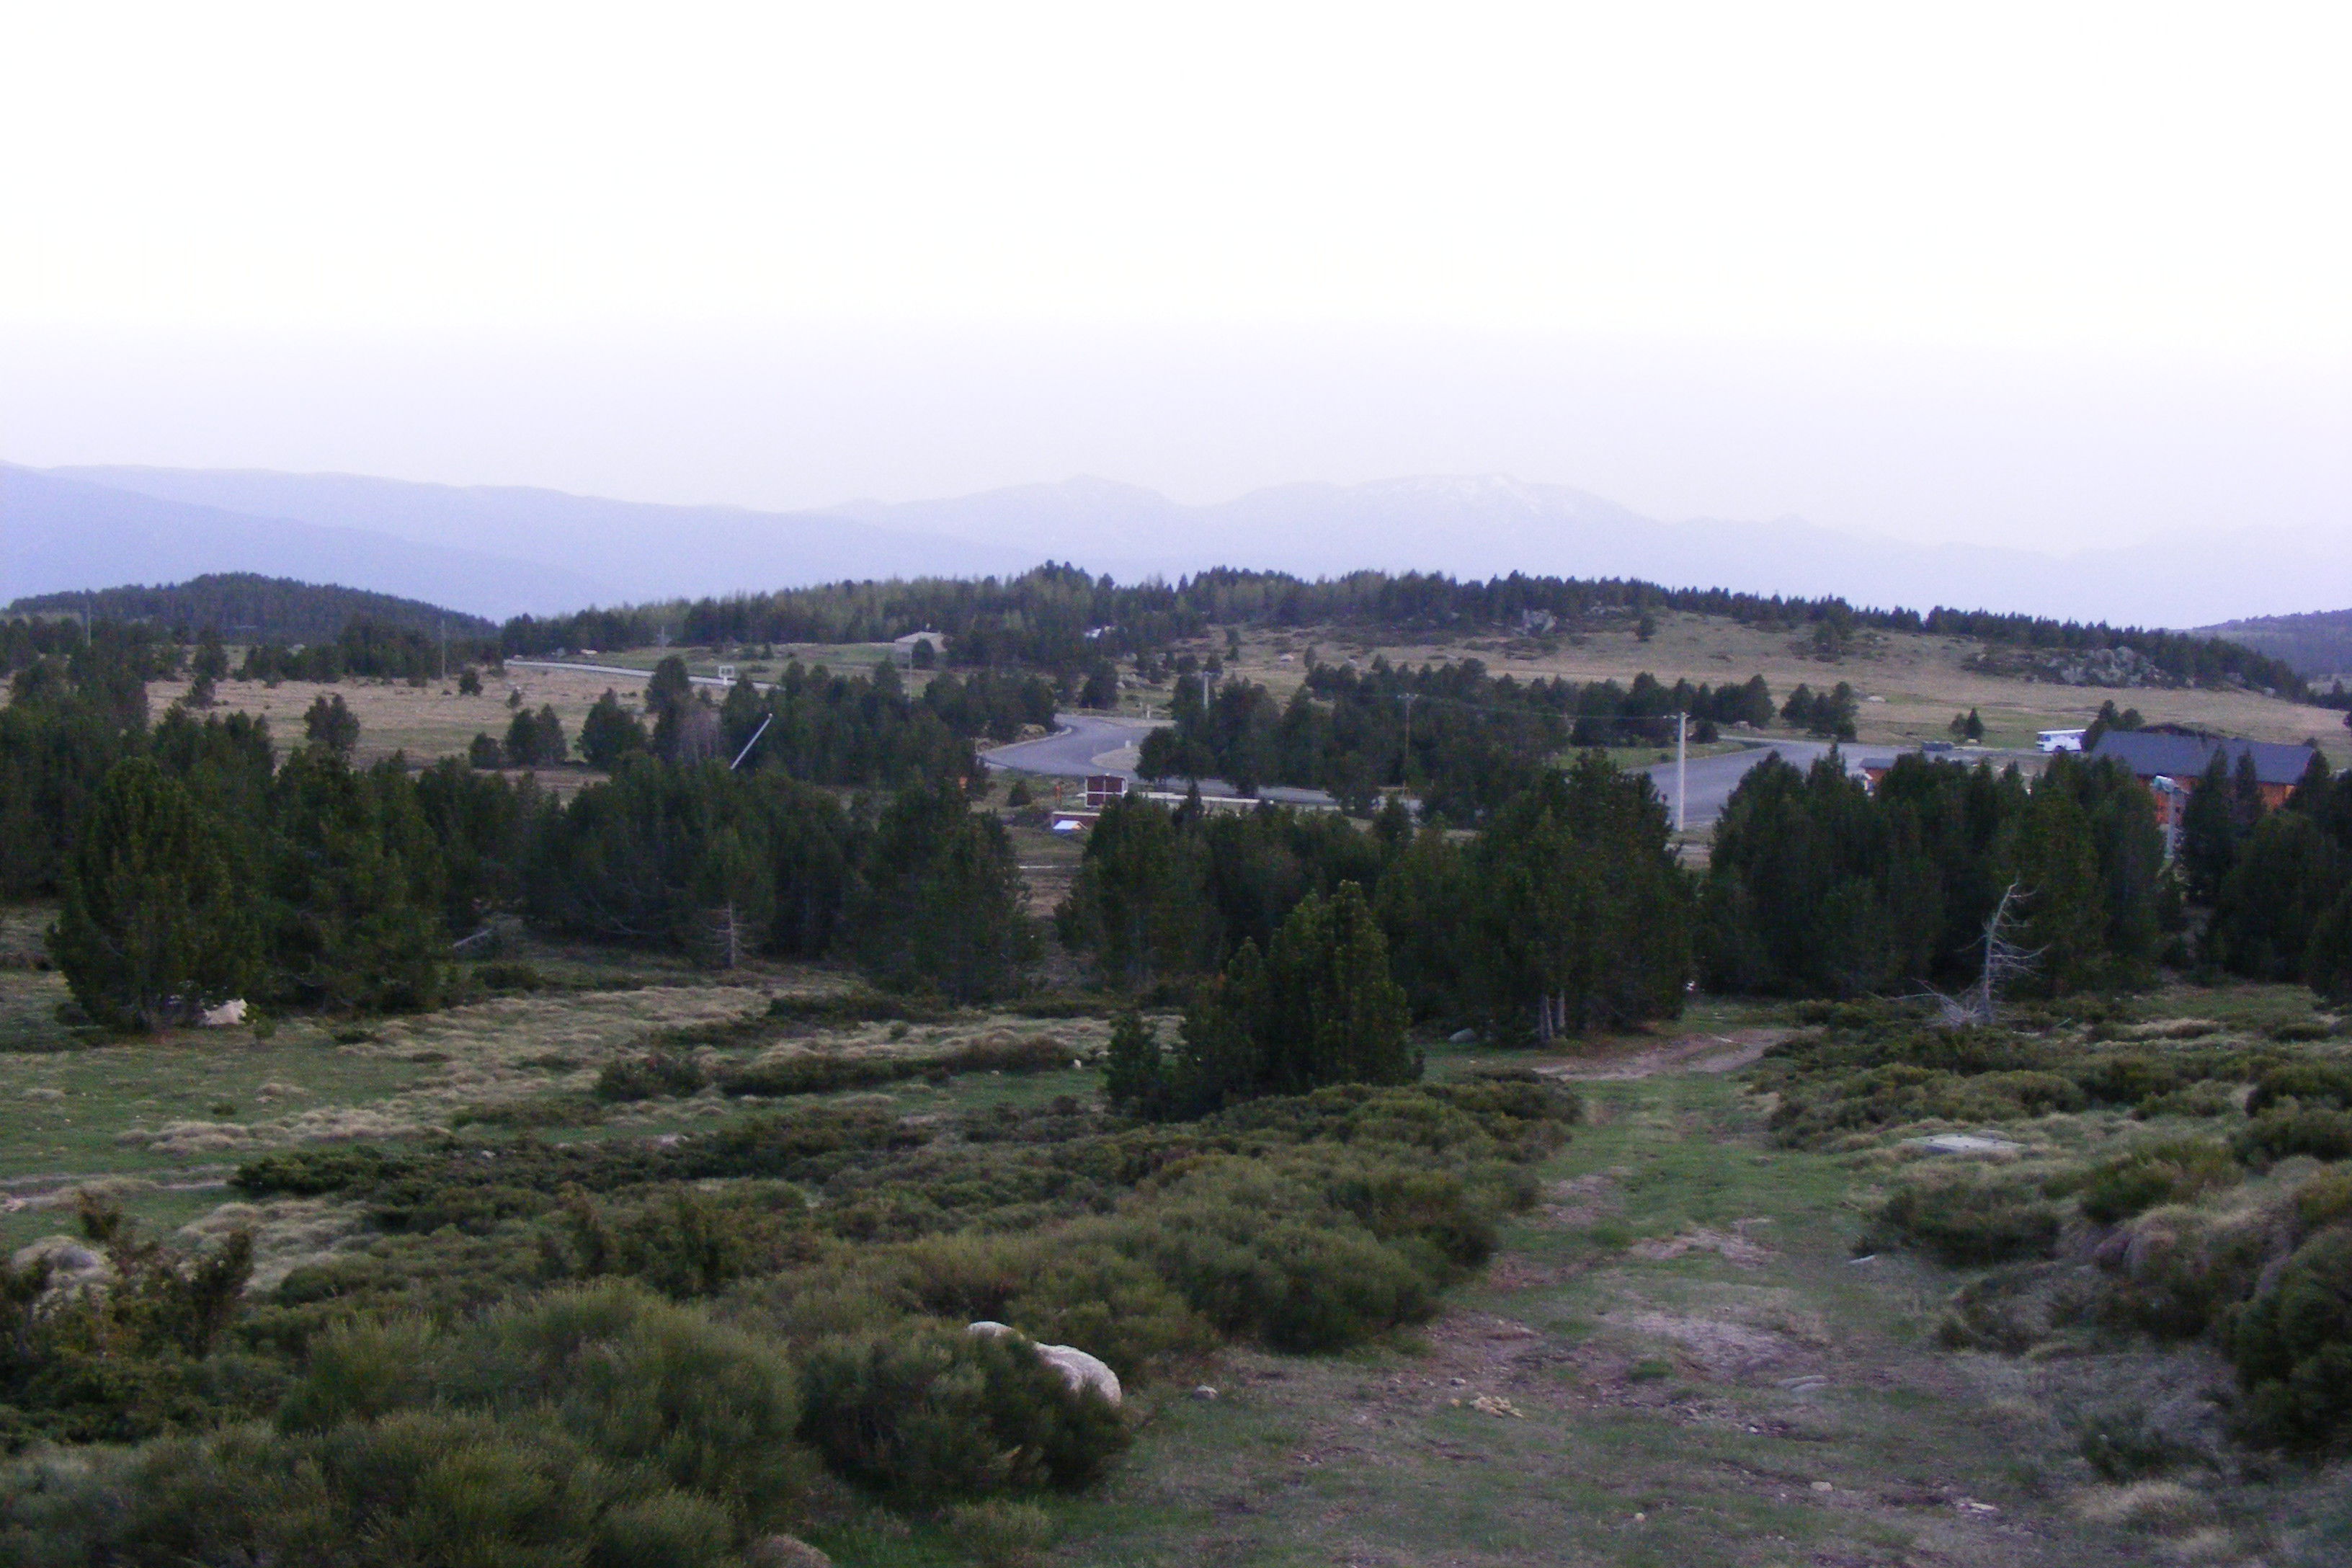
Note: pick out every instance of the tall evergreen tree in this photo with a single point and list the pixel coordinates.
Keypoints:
(1583, 917)
(354, 897)
(1320, 1008)
(2050, 856)
(330, 722)
(2208, 833)
(1140, 902)
(611, 732)
(154, 925)
(939, 904)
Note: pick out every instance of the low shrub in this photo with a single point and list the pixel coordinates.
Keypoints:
(2311, 1084)
(1965, 1217)
(2178, 1272)
(509, 976)
(654, 1074)
(2124, 1444)
(2320, 1132)
(2170, 1171)
(2293, 1347)
(813, 1074)
(859, 1007)
(929, 1412)
(2016, 1307)
(1265, 1259)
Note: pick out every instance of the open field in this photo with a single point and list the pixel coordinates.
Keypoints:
(1921, 680)
(1912, 685)
(1672, 1359)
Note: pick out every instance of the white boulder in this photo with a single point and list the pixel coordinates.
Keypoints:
(1079, 1370)
(227, 1016)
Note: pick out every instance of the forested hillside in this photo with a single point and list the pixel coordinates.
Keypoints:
(246, 607)
(2317, 645)
(1059, 619)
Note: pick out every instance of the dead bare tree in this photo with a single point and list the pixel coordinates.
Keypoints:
(2005, 959)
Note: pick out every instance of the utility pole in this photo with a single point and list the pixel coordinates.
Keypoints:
(1404, 763)
(1682, 771)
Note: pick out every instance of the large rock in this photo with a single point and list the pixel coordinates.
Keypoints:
(1079, 1369)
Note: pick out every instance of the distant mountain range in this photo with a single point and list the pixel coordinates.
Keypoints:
(2317, 645)
(500, 550)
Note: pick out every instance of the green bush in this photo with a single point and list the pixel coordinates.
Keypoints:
(2124, 1445)
(929, 1412)
(652, 1076)
(2310, 1083)
(641, 1380)
(1965, 1217)
(2322, 1133)
(2178, 1272)
(1268, 1259)
(2293, 1347)
(2171, 1172)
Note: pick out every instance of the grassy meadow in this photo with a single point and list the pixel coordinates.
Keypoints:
(1674, 1356)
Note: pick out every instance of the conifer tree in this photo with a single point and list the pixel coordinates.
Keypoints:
(939, 901)
(2208, 833)
(1133, 1078)
(2050, 856)
(1140, 902)
(330, 722)
(611, 732)
(153, 926)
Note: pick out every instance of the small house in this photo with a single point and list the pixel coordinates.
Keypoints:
(2171, 763)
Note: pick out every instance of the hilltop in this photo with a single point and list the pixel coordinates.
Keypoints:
(2317, 645)
(247, 607)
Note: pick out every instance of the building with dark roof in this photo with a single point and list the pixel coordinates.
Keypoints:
(2182, 758)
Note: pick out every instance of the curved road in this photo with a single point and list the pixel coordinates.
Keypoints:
(1712, 779)
(1087, 743)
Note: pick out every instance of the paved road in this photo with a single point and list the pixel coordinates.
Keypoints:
(1087, 743)
(1712, 779)
(619, 669)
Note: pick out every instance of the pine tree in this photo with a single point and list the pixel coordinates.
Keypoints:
(330, 723)
(154, 925)
(1140, 900)
(939, 901)
(353, 896)
(2327, 961)
(2208, 833)
(2050, 856)
(1974, 730)
(611, 732)
(1133, 1079)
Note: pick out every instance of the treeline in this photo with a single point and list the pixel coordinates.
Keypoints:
(1819, 886)
(1060, 618)
(854, 730)
(247, 607)
(2279, 882)
(1463, 741)
(200, 873)
(1567, 913)
(367, 649)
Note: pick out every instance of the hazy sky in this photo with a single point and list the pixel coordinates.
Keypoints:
(2033, 274)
